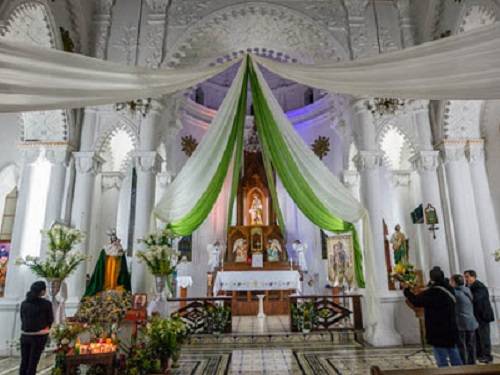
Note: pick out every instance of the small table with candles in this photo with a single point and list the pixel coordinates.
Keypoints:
(100, 353)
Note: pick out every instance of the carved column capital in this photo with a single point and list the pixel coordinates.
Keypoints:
(453, 151)
(350, 179)
(87, 162)
(368, 160)
(475, 151)
(400, 178)
(360, 105)
(111, 180)
(425, 161)
(58, 155)
(147, 161)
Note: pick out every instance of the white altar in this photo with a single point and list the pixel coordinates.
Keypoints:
(257, 281)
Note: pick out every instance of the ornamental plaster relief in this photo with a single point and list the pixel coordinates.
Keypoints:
(46, 126)
(102, 24)
(481, 13)
(264, 25)
(461, 119)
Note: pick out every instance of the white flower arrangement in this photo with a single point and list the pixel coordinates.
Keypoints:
(60, 261)
(160, 257)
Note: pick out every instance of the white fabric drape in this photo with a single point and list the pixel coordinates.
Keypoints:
(466, 66)
(458, 67)
(34, 78)
(194, 178)
(330, 191)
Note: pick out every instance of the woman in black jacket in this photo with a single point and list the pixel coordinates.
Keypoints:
(441, 329)
(36, 319)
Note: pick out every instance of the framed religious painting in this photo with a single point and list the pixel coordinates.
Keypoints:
(340, 260)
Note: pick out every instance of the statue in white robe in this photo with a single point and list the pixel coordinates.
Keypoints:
(300, 249)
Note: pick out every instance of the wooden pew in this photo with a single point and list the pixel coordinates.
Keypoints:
(492, 369)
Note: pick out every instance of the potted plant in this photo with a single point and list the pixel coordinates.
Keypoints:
(158, 346)
(218, 317)
(304, 316)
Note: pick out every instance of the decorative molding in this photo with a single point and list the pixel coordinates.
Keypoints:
(356, 8)
(111, 180)
(102, 27)
(157, 6)
(478, 15)
(58, 155)
(475, 151)
(368, 160)
(87, 162)
(44, 126)
(425, 161)
(461, 119)
(405, 23)
(147, 161)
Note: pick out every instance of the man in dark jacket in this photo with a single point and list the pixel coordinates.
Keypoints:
(441, 329)
(484, 315)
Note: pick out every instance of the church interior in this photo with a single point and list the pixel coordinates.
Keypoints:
(264, 182)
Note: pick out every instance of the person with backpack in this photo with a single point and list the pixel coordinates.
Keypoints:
(439, 301)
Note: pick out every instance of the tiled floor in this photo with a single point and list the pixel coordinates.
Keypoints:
(295, 357)
(255, 326)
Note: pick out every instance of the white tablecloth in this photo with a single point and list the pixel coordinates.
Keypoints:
(256, 280)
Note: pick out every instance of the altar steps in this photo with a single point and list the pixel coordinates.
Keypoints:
(274, 339)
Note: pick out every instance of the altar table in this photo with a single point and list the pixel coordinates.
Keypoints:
(245, 287)
(257, 281)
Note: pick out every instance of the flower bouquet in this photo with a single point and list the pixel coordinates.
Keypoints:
(60, 261)
(160, 257)
(405, 273)
(103, 312)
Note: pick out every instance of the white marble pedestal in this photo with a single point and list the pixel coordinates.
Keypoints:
(261, 314)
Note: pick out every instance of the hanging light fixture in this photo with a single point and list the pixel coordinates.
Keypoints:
(141, 106)
(383, 106)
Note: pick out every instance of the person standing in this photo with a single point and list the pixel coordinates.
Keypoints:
(483, 313)
(466, 321)
(438, 301)
(37, 317)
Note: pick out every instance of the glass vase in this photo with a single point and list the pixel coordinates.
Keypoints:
(53, 289)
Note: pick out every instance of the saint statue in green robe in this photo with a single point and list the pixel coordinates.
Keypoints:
(111, 272)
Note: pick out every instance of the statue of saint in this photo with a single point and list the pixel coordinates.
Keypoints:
(256, 211)
(398, 241)
(273, 250)
(300, 249)
(111, 272)
(214, 254)
(240, 250)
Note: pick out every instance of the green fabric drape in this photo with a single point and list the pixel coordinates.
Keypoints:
(294, 182)
(202, 208)
(96, 284)
(238, 156)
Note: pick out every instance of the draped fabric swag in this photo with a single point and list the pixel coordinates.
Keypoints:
(464, 66)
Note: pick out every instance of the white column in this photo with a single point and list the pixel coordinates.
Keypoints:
(369, 163)
(87, 165)
(146, 167)
(59, 163)
(486, 215)
(147, 163)
(350, 179)
(463, 209)
(15, 280)
(435, 251)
